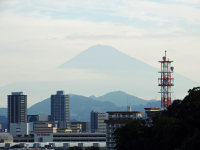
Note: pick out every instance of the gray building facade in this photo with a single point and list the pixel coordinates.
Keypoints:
(97, 122)
(17, 108)
(85, 125)
(60, 109)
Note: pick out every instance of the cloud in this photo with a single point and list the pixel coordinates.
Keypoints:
(33, 36)
(152, 12)
(169, 13)
(186, 1)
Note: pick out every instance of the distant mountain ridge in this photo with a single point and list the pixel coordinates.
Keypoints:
(121, 98)
(81, 106)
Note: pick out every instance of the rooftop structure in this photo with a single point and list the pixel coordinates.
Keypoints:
(17, 93)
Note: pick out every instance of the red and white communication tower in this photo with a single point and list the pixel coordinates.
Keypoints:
(166, 81)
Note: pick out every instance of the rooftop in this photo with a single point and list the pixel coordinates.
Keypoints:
(17, 93)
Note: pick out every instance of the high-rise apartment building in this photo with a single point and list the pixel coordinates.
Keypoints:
(60, 109)
(17, 108)
(17, 114)
(97, 122)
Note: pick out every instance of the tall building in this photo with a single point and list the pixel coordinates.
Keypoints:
(97, 122)
(17, 108)
(116, 120)
(17, 114)
(60, 109)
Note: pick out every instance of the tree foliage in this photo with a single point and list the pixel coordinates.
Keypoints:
(178, 127)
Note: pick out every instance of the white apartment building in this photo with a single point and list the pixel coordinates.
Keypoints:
(118, 119)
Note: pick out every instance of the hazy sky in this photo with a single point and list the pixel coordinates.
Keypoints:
(36, 36)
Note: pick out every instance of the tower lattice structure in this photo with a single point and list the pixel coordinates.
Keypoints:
(166, 81)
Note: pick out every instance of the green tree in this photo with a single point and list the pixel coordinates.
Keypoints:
(178, 127)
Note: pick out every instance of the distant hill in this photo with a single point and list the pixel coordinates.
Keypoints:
(3, 111)
(3, 121)
(81, 106)
(42, 108)
(120, 98)
(3, 117)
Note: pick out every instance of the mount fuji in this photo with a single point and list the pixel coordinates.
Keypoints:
(119, 72)
(125, 72)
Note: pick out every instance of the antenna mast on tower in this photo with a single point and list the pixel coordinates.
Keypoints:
(166, 81)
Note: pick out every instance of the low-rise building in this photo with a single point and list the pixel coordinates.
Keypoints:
(6, 138)
(76, 127)
(26, 138)
(84, 125)
(64, 130)
(19, 129)
(152, 112)
(79, 137)
(43, 132)
(44, 127)
(118, 119)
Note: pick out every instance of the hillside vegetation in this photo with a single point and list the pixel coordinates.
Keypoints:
(178, 128)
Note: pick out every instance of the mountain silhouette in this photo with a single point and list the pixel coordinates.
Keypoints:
(117, 71)
(125, 72)
(108, 60)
